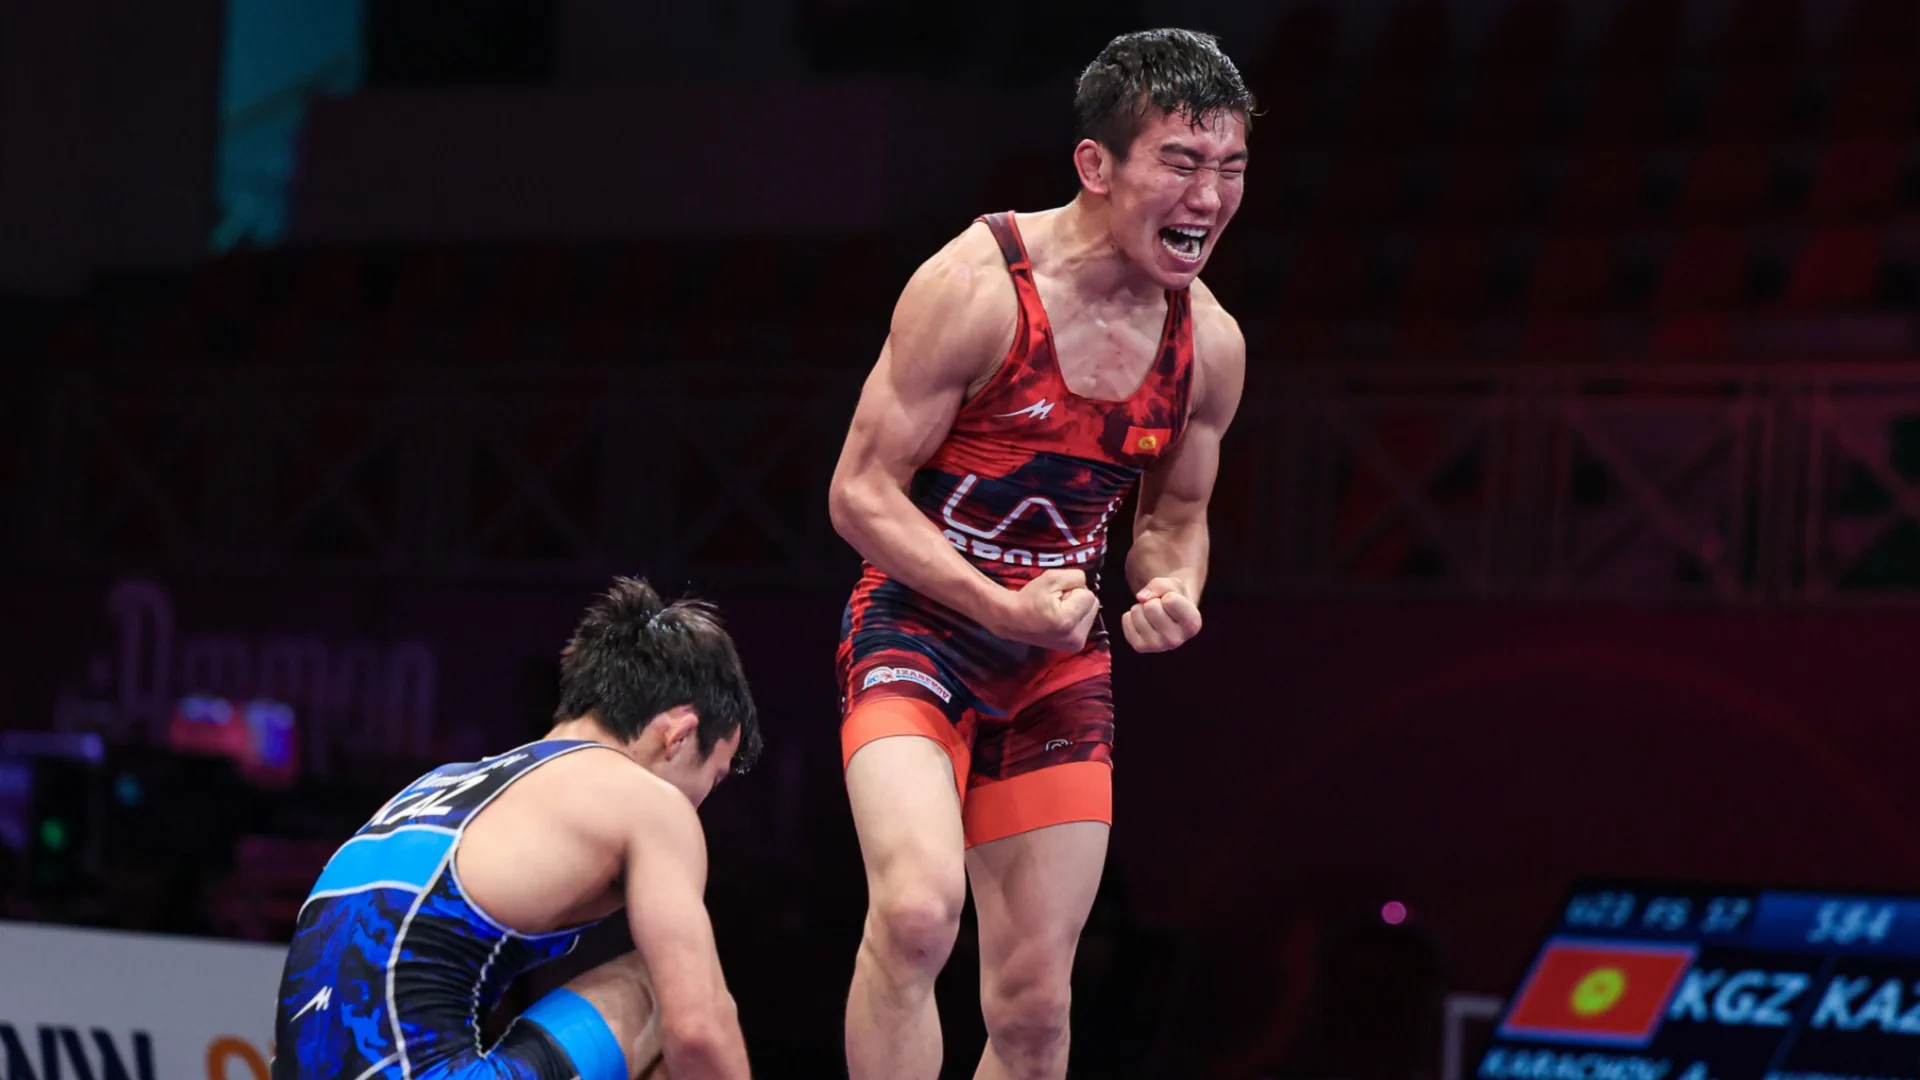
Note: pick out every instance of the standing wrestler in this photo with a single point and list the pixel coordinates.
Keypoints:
(1038, 368)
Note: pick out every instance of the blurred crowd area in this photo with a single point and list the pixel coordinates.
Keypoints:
(1650, 188)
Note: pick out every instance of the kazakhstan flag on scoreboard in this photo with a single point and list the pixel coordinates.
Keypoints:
(1597, 992)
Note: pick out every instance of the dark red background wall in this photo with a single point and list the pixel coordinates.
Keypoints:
(1465, 761)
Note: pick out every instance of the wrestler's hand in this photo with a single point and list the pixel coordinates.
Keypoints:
(1165, 617)
(1053, 611)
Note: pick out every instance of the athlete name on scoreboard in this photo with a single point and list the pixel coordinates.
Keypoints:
(1758, 998)
(1503, 1064)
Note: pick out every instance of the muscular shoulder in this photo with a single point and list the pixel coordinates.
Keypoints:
(1219, 353)
(958, 311)
(605, 795)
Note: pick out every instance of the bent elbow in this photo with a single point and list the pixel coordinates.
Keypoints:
(845, 509)
(689, 1043)
(699, 1036)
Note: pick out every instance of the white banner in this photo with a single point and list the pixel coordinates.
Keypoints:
(110, 1006)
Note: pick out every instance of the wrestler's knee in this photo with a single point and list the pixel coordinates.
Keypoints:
(913, 919)
(1026, 1004)
(619, 993)
(621, 988)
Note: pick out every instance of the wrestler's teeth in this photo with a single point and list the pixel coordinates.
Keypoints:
(1183, 240)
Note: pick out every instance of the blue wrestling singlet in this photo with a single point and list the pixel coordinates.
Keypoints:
(392, 967)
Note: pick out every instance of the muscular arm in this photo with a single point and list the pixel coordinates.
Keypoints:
(952, 321)
(666, 873)
(1170, 528)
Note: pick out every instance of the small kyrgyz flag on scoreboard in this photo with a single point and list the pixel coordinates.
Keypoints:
(1597, 992)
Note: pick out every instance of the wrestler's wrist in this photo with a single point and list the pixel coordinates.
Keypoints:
(1184, 579)
(998, 609)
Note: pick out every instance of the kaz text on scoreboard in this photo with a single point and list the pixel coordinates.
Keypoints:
(1642, 982)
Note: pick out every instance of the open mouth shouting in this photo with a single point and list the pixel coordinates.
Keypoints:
(1185, 242)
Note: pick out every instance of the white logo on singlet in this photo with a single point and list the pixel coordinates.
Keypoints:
(1038, 410)
(319, 1003)
(900, 674)
(978, 542)
(1018, 512)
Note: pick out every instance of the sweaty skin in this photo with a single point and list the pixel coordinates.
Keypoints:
(952, 329)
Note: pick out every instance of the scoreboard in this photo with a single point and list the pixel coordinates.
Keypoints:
(1642, 982)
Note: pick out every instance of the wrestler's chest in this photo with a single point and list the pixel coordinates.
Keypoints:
(1101, 365)
(1104, 354)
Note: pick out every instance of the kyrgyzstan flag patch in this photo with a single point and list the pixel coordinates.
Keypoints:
(1597, 992)
(1146, 442)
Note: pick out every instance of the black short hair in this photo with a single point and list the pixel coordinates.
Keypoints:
(1182, 72)
(634, 656)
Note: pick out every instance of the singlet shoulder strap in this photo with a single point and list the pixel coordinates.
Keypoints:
(1176, 362)
(1177, 339)
(1008, 235)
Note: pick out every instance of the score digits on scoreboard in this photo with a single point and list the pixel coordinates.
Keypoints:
(1847, 923)
(1686, 983)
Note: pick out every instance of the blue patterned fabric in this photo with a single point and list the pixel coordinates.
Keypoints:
(575, 1024)
(392, 967)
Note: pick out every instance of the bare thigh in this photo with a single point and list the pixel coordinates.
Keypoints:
(622, 992)
(907, 814)
(1033, 892)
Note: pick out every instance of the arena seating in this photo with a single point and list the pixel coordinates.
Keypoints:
(1498, 200)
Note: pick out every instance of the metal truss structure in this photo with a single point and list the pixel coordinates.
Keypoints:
(1729, 486)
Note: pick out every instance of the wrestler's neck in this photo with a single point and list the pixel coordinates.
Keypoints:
(644, 749)
(1075, 243)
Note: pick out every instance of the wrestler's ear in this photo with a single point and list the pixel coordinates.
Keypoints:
(679, 729)
(1095, 166)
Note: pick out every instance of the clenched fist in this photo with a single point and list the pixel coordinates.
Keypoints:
(1164, 618)
(1054, 611)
